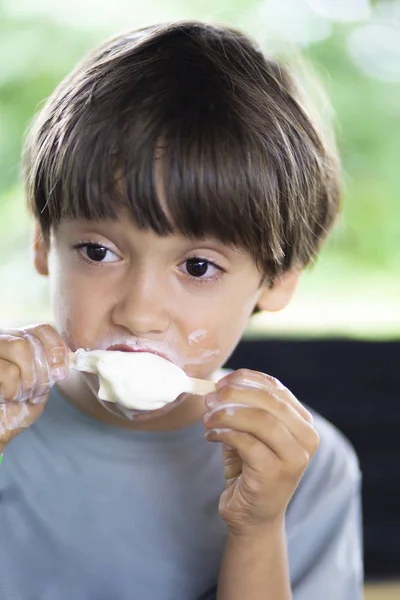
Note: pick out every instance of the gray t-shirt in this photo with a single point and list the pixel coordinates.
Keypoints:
(90, 511)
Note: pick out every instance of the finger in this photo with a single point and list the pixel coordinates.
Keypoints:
(255, 379)
(264, 426)
(50, 356)
(55, 350)
(37, 350)
(18, 377)
(273, 404)
(10, 380)
(256, 455)
(26, 351)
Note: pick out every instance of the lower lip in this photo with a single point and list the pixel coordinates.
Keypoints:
(123, 348)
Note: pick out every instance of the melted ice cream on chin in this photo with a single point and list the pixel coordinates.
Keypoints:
(141, 415)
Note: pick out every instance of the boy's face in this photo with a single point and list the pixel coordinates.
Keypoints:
(189, 300)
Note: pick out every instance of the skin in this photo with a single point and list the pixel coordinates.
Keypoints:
(143, 294)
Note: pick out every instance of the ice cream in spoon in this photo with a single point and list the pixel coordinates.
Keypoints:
(137, 380)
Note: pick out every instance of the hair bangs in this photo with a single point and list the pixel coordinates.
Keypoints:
(204, 184)
(96, 175)
(194, 170)
(213, 189)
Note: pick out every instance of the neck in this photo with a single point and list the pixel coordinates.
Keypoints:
(77, 391)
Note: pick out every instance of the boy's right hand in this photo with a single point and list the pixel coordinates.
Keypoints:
(31, 361)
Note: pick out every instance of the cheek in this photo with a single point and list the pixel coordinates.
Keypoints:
(59, 292)
(75, 312)
(70, 315)
(215, 333)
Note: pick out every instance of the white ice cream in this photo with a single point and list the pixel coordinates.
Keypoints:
(139, 380)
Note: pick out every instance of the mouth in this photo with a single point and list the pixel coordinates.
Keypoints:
(125, 348)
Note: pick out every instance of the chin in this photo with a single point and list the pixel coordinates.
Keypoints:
(133, 414)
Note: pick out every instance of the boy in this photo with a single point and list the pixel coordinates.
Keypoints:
(177, 185)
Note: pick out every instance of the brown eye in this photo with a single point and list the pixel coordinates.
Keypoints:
(96, 253)
(197, 267)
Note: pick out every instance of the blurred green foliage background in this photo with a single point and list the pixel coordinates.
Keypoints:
(354, 48)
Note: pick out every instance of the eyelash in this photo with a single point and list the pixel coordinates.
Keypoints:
(81, 256)
(98, 265)
(209, 280)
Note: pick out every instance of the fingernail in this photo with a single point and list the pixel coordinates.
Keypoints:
(57, 356)
(224, 382)
(211, 400)
(59, 373)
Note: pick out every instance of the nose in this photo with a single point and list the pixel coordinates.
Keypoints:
(142, 308)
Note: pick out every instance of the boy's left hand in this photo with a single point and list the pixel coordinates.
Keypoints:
(268, 439)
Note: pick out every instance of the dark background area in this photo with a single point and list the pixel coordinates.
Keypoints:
(355, 385)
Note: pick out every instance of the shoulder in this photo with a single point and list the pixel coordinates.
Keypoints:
(333, 477)
(335, 459)
(323, 522)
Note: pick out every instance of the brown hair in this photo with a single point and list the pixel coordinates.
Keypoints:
(242, 159)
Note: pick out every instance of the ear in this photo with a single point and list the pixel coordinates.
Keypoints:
(40, 250)
(279, 295)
